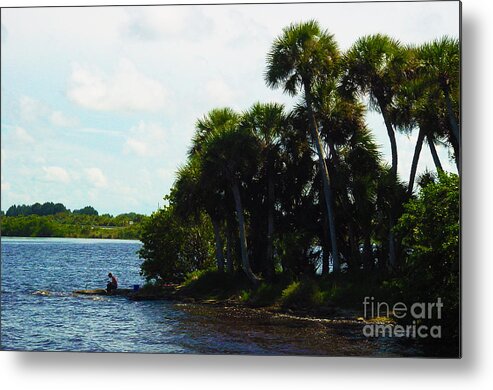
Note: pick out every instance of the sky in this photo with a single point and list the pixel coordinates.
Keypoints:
(98, 105)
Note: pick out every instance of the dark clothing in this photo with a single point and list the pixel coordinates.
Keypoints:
(112, 284)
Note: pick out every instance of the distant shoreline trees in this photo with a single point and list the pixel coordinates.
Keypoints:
(47, 208)
(55, 220)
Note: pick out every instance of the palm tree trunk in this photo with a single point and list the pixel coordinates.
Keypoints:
(368, 261)
(325, 178)
(456, 147)
(391, 134)
(229, 254)
(245, 263)
(451, 117)
(325, 246)
(325, 261)
(270, 224)
(434, 154)
(414, 165)
(345, 203)
(219, 245)
(393, 146)
(392, 251)
(355, 260)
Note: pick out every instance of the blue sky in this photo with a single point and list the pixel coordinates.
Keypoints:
(99, 104)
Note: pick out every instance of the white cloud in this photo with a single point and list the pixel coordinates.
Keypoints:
(219, 92)
(31, 109)
(150, 24)
(5, 186)
(166, 173)
(146, 140)
(137, 146)
(103, 132)
(92, 195)
(59, 119)
(56, 174)
(96, 177)
(21, 135)
(126, 90)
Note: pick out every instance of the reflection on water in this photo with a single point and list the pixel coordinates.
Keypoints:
(40, 312)
(214, 330)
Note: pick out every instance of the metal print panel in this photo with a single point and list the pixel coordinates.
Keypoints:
(262, 179)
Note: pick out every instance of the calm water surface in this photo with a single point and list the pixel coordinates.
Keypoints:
(39, 311)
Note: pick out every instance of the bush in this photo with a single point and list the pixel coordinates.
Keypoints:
(172, 248)
(265, 294)
(304, 294)
(430, 229)
(213, 284)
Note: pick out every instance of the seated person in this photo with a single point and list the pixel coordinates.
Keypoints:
(113, 283)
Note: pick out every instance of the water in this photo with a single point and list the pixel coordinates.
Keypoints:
(40, 312)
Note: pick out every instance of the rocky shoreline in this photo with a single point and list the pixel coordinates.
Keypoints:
(174, 293)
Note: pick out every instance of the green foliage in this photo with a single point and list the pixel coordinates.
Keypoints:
(303, 52)
(430, 225)
(349, 290)
(256, 176)
(266, 294)
(374, 65)
(173, 247)
(29, 226)
(88, 210)
(303, 294)
(245, 296)
(213, 284)
(67, 224)
(430, 229)
(48, 208)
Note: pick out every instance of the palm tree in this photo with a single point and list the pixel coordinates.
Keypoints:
(193, 193)
(355, 159)
(391, 195)
(301, 57)
(361, 162)
(440, 68)
(231, 153)
(430, 121)
(214, 120)
(414, 108)
(374, 66)
(436, 159)
(208, 187)
(266, 121)
(417, 106)
(341, 119)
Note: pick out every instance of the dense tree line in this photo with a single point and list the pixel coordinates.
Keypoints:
(307, 189)
(47, 208)
(55, 220)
